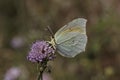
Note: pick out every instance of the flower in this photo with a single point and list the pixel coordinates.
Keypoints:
(12, 74)
(41, 51)
(46, 76)
(17, 42)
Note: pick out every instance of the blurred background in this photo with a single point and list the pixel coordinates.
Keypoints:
(22, 22)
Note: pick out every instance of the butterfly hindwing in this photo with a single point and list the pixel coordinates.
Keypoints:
(73, 46)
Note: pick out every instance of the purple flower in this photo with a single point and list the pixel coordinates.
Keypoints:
(40, 51)
(12, 74)
(46, 76)
(17, 42)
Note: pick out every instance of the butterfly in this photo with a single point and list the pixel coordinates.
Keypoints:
(71, 39)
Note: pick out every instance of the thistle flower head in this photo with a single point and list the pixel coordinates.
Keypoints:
(40, 51)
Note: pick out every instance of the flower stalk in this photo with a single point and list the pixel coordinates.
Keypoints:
(42, 66)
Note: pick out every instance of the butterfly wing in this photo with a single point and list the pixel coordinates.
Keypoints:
(73, 46)
(73, 28)
(71, 39)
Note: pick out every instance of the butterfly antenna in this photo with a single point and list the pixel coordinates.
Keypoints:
(50, 30)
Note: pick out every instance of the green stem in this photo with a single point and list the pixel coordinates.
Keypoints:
(40, 75)
(41, 68)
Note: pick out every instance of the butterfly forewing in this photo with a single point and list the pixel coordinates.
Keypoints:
(72, 28)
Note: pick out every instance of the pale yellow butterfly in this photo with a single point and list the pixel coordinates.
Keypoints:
(71, 39)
